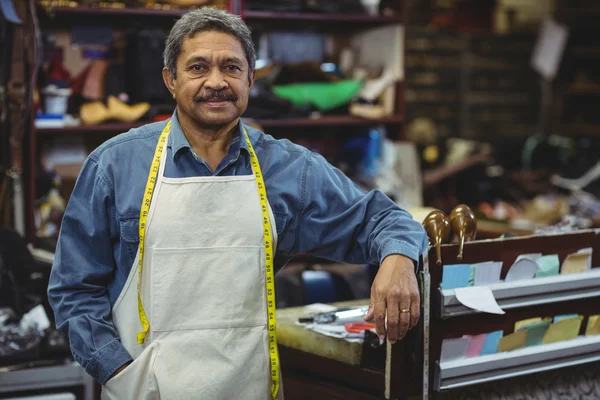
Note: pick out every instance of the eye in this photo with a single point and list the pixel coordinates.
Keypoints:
(232, 68)
(197, 67)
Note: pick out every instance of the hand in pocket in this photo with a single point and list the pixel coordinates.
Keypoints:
(117, 372)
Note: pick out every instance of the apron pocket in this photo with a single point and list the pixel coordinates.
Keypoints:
(213, 364)
(209, 287)
(137, 381)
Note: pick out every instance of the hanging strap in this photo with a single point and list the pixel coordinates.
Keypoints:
(16, 89)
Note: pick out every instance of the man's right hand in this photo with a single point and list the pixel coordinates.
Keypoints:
(117, 372)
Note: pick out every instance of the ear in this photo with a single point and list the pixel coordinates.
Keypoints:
(251, 80)
(169, 81)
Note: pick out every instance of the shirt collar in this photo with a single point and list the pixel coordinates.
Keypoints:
(178, 142)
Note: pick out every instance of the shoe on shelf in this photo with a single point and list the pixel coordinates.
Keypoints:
(93, 113)
(124, 112)
(96, 112)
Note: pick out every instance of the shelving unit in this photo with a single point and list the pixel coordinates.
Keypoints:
(529, 360)
(519, 294)
(540, 297)
(332, 120)
(335, 24)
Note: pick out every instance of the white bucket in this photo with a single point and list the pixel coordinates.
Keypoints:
(56, 100)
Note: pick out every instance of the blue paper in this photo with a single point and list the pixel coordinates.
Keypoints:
(490, 345)
(455, 276)
(559, 317)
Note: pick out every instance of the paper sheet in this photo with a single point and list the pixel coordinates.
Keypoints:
(317, 308)
(487, 273)
(490, 345)
(476, 345)
(478, 298)
(455, 276)
(593, 325)
(530, 256)
(564, 329)
(536, 333)
(525, 322)
(522, 269)
(513, 341)
(559, 317)
(36, 317)
(454, 349)
(576, 263)
(472, 275)
(549, 48)
(548, 265)
(336, 331)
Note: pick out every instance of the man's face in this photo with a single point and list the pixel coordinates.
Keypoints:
(212, 82)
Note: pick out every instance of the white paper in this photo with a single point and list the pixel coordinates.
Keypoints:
(336, 331)
(588, 250)
(549, 48)
(36, 317)
(317, 308)
(525, 268)
(487, 273)
(478, 298)
(532, 256)
(454, 349)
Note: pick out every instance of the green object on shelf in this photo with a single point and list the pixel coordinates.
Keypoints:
(549, 265)
(535, 333)
(323, 95)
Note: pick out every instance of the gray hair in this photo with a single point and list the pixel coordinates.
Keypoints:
(202, 20)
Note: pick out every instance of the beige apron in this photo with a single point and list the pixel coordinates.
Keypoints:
(203, 288)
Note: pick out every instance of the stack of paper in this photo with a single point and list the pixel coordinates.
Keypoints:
(528, 332)
(524, 267)
(593, 325)
(577, 262)
(470, 346)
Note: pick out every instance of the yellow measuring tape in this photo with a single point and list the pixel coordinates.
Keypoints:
(264, 206)
(145, 209)
(270, 273)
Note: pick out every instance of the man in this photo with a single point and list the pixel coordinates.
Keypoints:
(161, 275)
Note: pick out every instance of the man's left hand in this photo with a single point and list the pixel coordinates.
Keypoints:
(394, 293)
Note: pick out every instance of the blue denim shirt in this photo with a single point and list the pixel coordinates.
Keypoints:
(317, 210)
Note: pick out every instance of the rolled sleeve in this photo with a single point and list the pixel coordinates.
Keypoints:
(400, 247)
(113, 351)
(83, 267)
(341, 222)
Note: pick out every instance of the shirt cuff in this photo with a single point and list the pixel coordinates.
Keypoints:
(107, 360)
(402, 248)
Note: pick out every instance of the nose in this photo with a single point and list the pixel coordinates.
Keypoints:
(215, 80)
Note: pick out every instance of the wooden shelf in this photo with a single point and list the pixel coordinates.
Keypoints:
(113, 128)
(252, 15)
(330, 120)
(249, 15)
(333, 120)
(138, 11)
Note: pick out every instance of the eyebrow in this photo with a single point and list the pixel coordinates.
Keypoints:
(201, 59)
(234, 60)
(197, 59)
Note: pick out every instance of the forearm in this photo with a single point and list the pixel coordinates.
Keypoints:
(83, 312)
(392, 230)
(340, 222)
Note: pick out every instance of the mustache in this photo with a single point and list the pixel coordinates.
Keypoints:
(210, 96)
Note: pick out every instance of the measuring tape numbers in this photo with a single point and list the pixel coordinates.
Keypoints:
(270, 278)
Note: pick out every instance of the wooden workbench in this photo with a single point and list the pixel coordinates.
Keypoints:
(315, 366)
